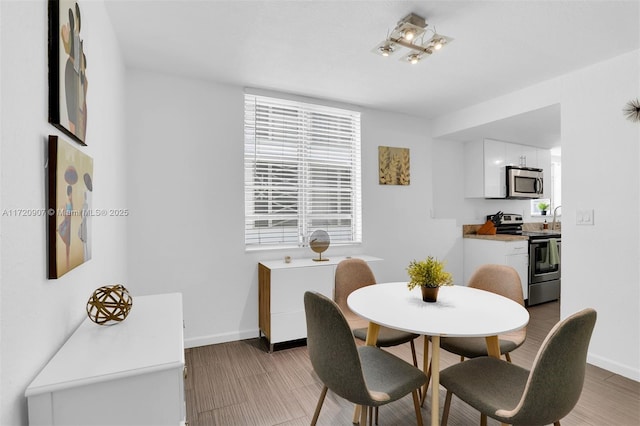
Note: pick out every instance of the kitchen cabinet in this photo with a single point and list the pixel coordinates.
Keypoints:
(520, 155)
(513, 253)
(485, 166)
(281, 288)
(130, 373)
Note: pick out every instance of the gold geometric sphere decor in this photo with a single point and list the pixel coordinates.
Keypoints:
(109, 304)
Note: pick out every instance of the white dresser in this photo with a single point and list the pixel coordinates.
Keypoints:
(281, 288)
(131, 373)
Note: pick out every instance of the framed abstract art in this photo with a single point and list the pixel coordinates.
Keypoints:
(68, 82)
(394, 166)
(69, 192)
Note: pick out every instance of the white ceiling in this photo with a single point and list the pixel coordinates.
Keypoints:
(323, 49)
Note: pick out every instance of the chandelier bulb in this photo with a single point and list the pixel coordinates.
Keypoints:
(386, 50)
(409, 35)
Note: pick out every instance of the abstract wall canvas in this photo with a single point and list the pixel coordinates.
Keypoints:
(70, 189)
(68, 82)
(394, 166)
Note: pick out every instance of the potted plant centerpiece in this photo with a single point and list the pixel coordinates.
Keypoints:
(429, 275)
(543, 208)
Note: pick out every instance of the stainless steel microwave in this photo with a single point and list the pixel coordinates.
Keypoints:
(524, 182)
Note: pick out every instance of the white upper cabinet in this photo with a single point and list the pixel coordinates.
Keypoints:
(520, 155)
(494, 173)
(485, 162)
(544, 163)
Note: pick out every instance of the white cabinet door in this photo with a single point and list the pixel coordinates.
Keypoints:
(544, 163)
(289, 285)
(521, 155)
(520, 262)
(494, 172)
(288, 321)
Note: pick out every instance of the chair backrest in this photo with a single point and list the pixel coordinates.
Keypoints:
(332, 349)
(557, 376)
(498, 279)
(351, 274)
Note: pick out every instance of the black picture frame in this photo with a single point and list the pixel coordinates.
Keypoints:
(67, 70)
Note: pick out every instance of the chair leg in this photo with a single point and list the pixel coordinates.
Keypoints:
(370, 415)
(415, 364)
(376, 410)
(556, 423)
(413, 354)
(426, 386)
(416, 404)
(445, 410)
(363, 415)
(507, 357)
(461, 358)
(319, 406)
(483, 419)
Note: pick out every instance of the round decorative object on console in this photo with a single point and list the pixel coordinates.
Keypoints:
(319, 242)
(109, 304)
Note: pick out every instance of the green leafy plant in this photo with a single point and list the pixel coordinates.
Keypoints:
(428, 273)
(543, 206)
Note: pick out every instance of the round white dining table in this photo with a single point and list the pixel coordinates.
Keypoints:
(459, 311)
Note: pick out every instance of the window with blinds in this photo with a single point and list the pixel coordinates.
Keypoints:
(302, 172)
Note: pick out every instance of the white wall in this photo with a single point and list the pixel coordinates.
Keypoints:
(186, 230)
(186, 163)
(599, 171)
(37, 314)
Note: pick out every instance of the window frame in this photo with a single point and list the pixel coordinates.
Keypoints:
(321, 149)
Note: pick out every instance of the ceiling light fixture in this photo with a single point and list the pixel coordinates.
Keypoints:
(386, 49)
(414, 58)
(406, 34)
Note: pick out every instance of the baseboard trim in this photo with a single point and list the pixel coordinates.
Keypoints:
(614, 367)
(213, 339)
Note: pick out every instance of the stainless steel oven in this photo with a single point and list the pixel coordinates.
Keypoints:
(544, 268)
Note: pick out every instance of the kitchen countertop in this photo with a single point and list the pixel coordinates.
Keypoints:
(497, 237)
(469, 231)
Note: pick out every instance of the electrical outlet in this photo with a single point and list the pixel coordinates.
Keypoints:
(584, 217)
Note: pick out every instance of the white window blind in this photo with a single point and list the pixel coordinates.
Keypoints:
(302, 172)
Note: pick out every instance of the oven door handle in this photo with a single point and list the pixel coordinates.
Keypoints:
(544, 241)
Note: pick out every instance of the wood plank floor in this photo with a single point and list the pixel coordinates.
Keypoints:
(239, 383)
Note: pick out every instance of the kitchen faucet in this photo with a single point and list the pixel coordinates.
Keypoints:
(553, 224)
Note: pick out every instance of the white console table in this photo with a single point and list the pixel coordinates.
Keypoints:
(131, 373)
(281, 288)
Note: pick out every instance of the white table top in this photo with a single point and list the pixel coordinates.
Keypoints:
(460, 311)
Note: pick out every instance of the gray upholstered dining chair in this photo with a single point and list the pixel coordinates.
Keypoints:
(352, 274)
(363, 375)
(514, 395)
(498, 279)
